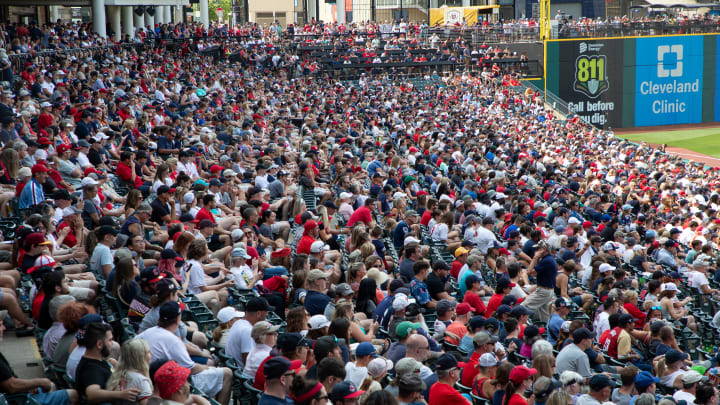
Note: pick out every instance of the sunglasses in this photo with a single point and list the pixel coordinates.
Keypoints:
(654, 308)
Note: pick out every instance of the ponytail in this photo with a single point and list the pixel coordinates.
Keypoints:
(509, 392)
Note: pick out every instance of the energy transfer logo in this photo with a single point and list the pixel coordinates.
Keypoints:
(670, 62)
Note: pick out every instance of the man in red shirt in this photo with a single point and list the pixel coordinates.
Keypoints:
(310, 235)
(363, 214)
(126, 171)
(483, 343)
(461, 255)
(444, 392)
(502, 288)
(205, 212)
(72, 221)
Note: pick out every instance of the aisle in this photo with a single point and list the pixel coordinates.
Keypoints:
(23, 355)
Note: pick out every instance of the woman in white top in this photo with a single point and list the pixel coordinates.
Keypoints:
(265, 336)
(211, 291)
(162, 177)
(132, 371)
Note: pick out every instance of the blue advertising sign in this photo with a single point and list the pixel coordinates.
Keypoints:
(668, 80)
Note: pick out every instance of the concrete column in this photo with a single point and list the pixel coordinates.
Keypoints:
(340, 11)
(139, 20)
(204, 15)
(167, 14)
(54, 13)
(177, 14)
(150, 19)
(114, 15)
(159, 15)
(127, 21)
(98, 14)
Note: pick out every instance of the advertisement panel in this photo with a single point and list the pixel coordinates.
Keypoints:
(590, 79)
(668, 80)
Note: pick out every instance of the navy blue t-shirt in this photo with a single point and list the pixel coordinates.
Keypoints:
(315, 302)
(399, 233)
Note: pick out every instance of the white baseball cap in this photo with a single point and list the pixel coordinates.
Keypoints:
(318, 246)
(487, 360)
(400, 301)
(669, 287)
(606, 267)
(318, 322)
(227, 314)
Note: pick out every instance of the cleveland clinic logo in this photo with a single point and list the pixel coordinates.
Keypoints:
(670, 61)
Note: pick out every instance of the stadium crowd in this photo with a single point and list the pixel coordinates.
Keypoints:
(185, 231)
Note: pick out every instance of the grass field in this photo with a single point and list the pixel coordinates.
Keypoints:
(705, 140)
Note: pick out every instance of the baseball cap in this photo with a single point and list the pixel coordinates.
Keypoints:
(407, 365)
(503, 309)
(256, 304)
(276, 366)
(581, 334)
(378, 366)
(692, 377)
(643, 379)
(561, 303)
(599, 381)
(656, 326)
(461, 251)
(521, 373)
(227, 314)
(170, 310)
(673, 355)
(604, 267)
(262, 328)
(316, 274)
(624, 319)
(318, 246)
(170, 378)
(400, 302)
(288, 342)
(444, 305)
(447, 362)
(365, 349)
(324, 345)
(344, 290)
(318, 322)
(409, 382)
(150, 274)
(519, 311)
(463, 308)
(345, 390)
(240, 252)
(106, 230)
(488, 360)
(205, 223)
(504, 282)
(403, 329)
(36, 238)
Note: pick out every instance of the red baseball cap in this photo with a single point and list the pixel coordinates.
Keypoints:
(38, 168)
(463, 308)
(521, 373)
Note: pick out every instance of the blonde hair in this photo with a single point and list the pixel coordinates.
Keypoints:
(132, 358)
(341, 310)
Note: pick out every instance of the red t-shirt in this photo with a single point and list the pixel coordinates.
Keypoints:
(19, 188)
(474, 301)
(458, 329)
(304, 244)
(455, 267)
(125, 173)
(205, 214)
(609, 342)
(44, 121)
(493, 304)
(443, 394)
(70, 240)
(426, 217)
(636, 313)
(470, 370)
(516, 399)
(361, 214)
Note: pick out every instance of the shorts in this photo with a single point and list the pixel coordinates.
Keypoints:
(79, 293)
(52, 398)
(209, 381)
(577, 299)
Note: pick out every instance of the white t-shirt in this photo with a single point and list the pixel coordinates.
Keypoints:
(684, 396)
(165, 345)
(136, 380)
(254, 359)
(73, 360)
(602, 323)
(242, 276)
(355, 374)
(239, 341)
(697, 280)
(101, 256)
(189, 168)
(197, 277)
